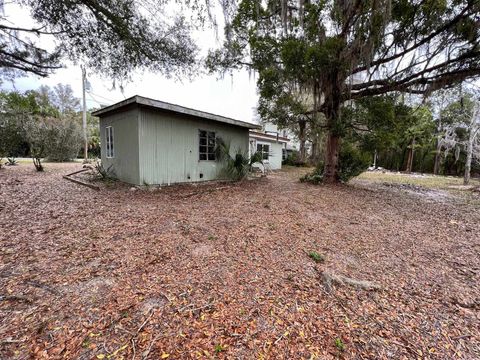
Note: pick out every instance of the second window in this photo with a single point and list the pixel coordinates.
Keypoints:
(263, 149)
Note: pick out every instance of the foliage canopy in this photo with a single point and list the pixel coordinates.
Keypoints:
(317, 57)
(110, 37)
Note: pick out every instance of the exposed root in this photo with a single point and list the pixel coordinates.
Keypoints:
(20, 298)
(330, 278)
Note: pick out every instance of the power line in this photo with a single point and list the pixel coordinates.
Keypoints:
(100, 96)
(95, 100)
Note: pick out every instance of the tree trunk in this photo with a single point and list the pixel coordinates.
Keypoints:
(313, 154)
(436, 165)
(332, 148)
(332, 104)
(301, 11)
(301, 138)
(284, 14)
(438, 151)
(468, 162)
(316, 150)
(411, 152)
(330, 174)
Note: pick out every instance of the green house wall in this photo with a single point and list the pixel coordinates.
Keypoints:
(162, 148)
(125, 163)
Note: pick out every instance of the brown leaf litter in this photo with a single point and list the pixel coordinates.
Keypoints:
(221, 271)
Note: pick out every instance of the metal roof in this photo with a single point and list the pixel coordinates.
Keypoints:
(157, 104)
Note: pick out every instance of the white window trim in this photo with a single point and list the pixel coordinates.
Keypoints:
(109, 134)
(269, 150)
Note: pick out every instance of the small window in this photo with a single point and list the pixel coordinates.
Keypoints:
(109, 141)
(263, 149)
(206, 148)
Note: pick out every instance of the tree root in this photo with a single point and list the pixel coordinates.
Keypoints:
(329, 279)
(20, 298)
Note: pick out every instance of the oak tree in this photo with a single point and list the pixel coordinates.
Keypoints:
(110, 37)
(341, 51)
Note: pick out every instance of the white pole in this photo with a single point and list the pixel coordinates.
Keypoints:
(84, 117)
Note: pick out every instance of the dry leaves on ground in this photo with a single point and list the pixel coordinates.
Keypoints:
(226, 273)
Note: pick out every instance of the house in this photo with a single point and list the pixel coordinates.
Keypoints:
(270, 145)
(146, 141)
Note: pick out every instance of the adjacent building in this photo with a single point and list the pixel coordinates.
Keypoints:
(271, 146)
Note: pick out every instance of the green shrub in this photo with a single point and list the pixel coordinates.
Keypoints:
(293, 160)
(53, 138)
(352, 162)
(314, 177)
(37, 134)
(64, 139)
(11, 136)
(238, 166)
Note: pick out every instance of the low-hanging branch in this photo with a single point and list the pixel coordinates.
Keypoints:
(38, 31)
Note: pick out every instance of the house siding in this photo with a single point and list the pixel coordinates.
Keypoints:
(275, 155)
(169, 147)
(125, 163)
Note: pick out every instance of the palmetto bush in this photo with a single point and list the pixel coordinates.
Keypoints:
(237, 166)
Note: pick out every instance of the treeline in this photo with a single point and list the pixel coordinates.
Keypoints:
(44, 124)
(385, 131)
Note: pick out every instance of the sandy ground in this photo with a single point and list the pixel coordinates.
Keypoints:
(222, 270)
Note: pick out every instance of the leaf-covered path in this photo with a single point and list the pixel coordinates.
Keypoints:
(222, 271)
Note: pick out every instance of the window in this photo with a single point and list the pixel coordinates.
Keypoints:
(109, 141)
(206, 145)
(263, 149)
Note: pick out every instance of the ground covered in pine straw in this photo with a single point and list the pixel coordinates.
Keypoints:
(253, 270)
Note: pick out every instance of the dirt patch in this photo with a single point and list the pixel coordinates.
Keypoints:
(186, 271)
(153, 303)
(436, 195)
(93, 288)
(203, 250)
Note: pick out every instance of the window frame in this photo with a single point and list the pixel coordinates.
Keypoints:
(109, 142)
(265, 153)
(208, 145)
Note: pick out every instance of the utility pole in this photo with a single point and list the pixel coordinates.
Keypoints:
(84, 116)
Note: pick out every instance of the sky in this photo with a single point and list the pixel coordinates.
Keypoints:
(232, 96)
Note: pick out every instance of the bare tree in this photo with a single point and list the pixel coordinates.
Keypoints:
(473, 130)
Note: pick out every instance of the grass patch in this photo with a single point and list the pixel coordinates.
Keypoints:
(86, 343)
(426, 181)
(339, 344)
(315, 256)
(220, 348)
